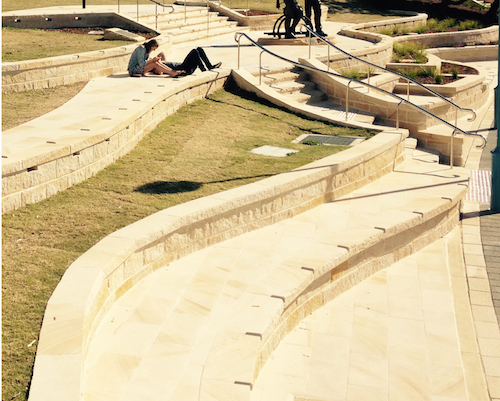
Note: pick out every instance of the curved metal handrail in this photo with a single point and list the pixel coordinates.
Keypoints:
(237, 38)
(164, 5)
(157, 3)
(392, 72)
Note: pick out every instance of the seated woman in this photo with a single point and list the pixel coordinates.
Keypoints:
(140, 63)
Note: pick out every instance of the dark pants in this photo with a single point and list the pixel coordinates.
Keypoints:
(197, 58)
(316, 6)
(293, 14)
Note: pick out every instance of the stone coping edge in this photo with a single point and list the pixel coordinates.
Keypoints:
(98, 278)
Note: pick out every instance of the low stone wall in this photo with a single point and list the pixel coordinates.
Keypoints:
(466, 54)
(257, 22)
(51, 72)
(411, 20)
(96, 280)
(469, 93)
(473, 37)
(28, 179)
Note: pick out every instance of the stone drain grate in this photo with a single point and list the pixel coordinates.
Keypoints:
(332, 140)
(479, 186)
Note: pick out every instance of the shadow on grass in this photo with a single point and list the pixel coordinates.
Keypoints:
(177, 187)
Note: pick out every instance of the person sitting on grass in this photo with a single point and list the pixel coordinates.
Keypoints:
(140, 63)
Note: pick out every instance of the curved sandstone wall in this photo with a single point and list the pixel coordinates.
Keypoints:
(95, 281)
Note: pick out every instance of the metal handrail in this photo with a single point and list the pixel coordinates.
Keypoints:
(157, 3)
(408, 79)
(237, 38)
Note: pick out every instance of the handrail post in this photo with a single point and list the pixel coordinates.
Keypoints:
(185, 10)
(137, 10)
(408, 90)
(310, 43)
(368, 91)
(451, 147)
(260, 67)
(238, 40)
(208, 17)
(347, 100)
(118, 6)
(156, 16)
(397, 114)
(328, 64)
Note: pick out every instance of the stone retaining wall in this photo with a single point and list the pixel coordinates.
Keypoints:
(96, 280)
(50, 72)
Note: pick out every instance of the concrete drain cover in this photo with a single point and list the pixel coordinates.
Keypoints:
(331, 140)
(267, 150)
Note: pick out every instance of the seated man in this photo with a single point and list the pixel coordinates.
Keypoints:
(196, 58)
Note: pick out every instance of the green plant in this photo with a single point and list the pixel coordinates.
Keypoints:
(447, 23)
(385, 31)
(438, 78)
(412, 73)
(432, 23)
(454, 72)
(356, 73)
(410, 50)
(405, 30)
(422, 28)
(469, 24)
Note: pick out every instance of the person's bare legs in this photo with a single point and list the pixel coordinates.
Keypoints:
(156, 65)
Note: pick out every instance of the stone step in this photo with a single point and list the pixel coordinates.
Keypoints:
(182, 36)
(164, 24)
(307, 95)
(289, 87)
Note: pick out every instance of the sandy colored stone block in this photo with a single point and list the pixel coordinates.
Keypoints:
(58, 376)
(61, 332)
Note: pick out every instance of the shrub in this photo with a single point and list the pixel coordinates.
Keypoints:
(432, 24)
(454, 72)
(439, 79)
(469, 24)
(422, 28)
(411, 50)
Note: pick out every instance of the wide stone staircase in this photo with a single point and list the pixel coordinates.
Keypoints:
(294, 89)
(192, 23)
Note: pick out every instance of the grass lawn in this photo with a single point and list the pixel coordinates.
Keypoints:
(29, 44)
(20, 107)
(194, 153)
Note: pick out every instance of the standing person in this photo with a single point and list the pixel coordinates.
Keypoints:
(140, 63)
(293, 14)
(316, 6)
